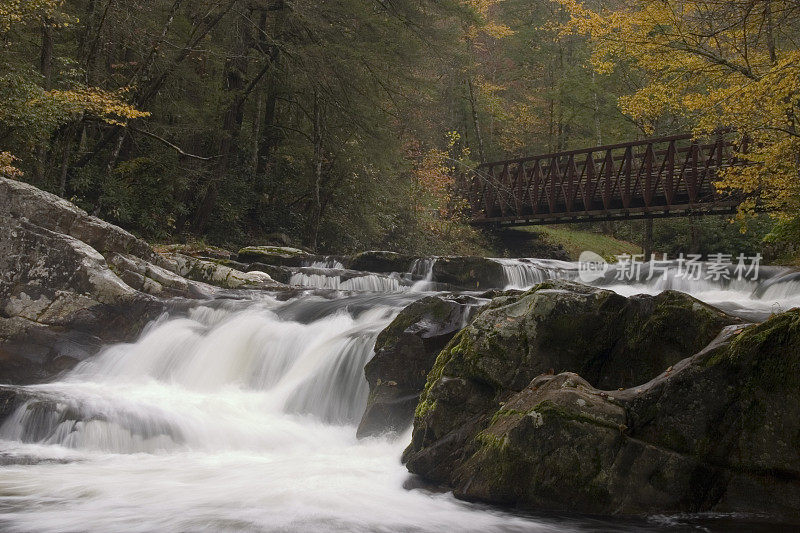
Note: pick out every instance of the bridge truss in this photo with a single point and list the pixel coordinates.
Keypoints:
(651, 178)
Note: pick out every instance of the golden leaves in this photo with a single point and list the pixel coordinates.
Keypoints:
(7, 168)
(716, 64)
(107, 105)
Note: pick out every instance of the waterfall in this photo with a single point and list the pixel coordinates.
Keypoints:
(240, 415)
(328, 262)
(525, 273)
(113, 402)
(423, 268)
(364, 283)
(233, 417)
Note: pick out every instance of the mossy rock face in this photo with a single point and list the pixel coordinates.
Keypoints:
(380, 262)
(274, 255)
(278, 273)
(199, 250)
(716, 431)
(404, 354)
(469, 273)
(219, 275)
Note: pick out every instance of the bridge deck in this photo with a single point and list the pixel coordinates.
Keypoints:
(662, 177)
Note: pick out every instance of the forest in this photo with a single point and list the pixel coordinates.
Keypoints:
(344, 123)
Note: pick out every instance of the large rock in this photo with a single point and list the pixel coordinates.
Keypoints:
(196, 249)
(274, 255)
(470, 273)
(490, 369)
(59, 302)
(717, 432)
(217, 274)
(48, 211)
(379, 261)
(404, 354)
(70, 283)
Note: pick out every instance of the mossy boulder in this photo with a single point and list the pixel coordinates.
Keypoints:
(558, 326)
(717, 431)
(277, 273)
(196, 249)
(380, 262)
(404, 354)
(469, 273)
(219, 275)
(274, 255)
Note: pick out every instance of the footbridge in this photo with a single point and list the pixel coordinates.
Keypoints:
(650, 178)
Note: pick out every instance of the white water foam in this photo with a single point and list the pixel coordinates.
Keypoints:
(241, 417)
(365, 283)
(423, 268)
(220, 421)
(525, 273)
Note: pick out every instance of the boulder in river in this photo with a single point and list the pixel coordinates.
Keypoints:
(713, 431)
(274, 255)
(218, 274)
(469, 273)
(380, 262)
(716, 432)
(404, 354)
(70, 283)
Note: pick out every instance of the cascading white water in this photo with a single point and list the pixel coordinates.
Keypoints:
(776, 289)
(222, 420)
(423, 268)
(328, 262)
(363, 283)
(525, 273)
(240, 416)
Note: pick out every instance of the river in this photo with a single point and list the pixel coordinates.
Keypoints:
(240, 415)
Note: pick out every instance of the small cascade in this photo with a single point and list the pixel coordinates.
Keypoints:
(525, 273)
(327, 263)
(423, 268)
(317, 281)
(362, 282)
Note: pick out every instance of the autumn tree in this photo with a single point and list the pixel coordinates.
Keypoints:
(712, 64)
(35, 100)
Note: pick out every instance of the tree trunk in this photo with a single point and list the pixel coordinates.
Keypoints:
(318, 155)
(475, 122)
(234, 82)
(46, 69)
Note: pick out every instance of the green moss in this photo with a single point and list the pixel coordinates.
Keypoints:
(423, 408)
(506, 413)
(491, 441)
(548, 408)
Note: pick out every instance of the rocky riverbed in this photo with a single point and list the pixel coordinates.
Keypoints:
(514, 383)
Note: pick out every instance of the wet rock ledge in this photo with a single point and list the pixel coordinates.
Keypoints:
(70, 282)
(569, 397)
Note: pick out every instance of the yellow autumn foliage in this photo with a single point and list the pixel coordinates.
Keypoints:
(7, 168)
(107, 105)
(488, 26)
(13, 12)
(715, 64)
(34, 112)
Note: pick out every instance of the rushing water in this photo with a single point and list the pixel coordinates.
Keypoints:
(240, 416)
